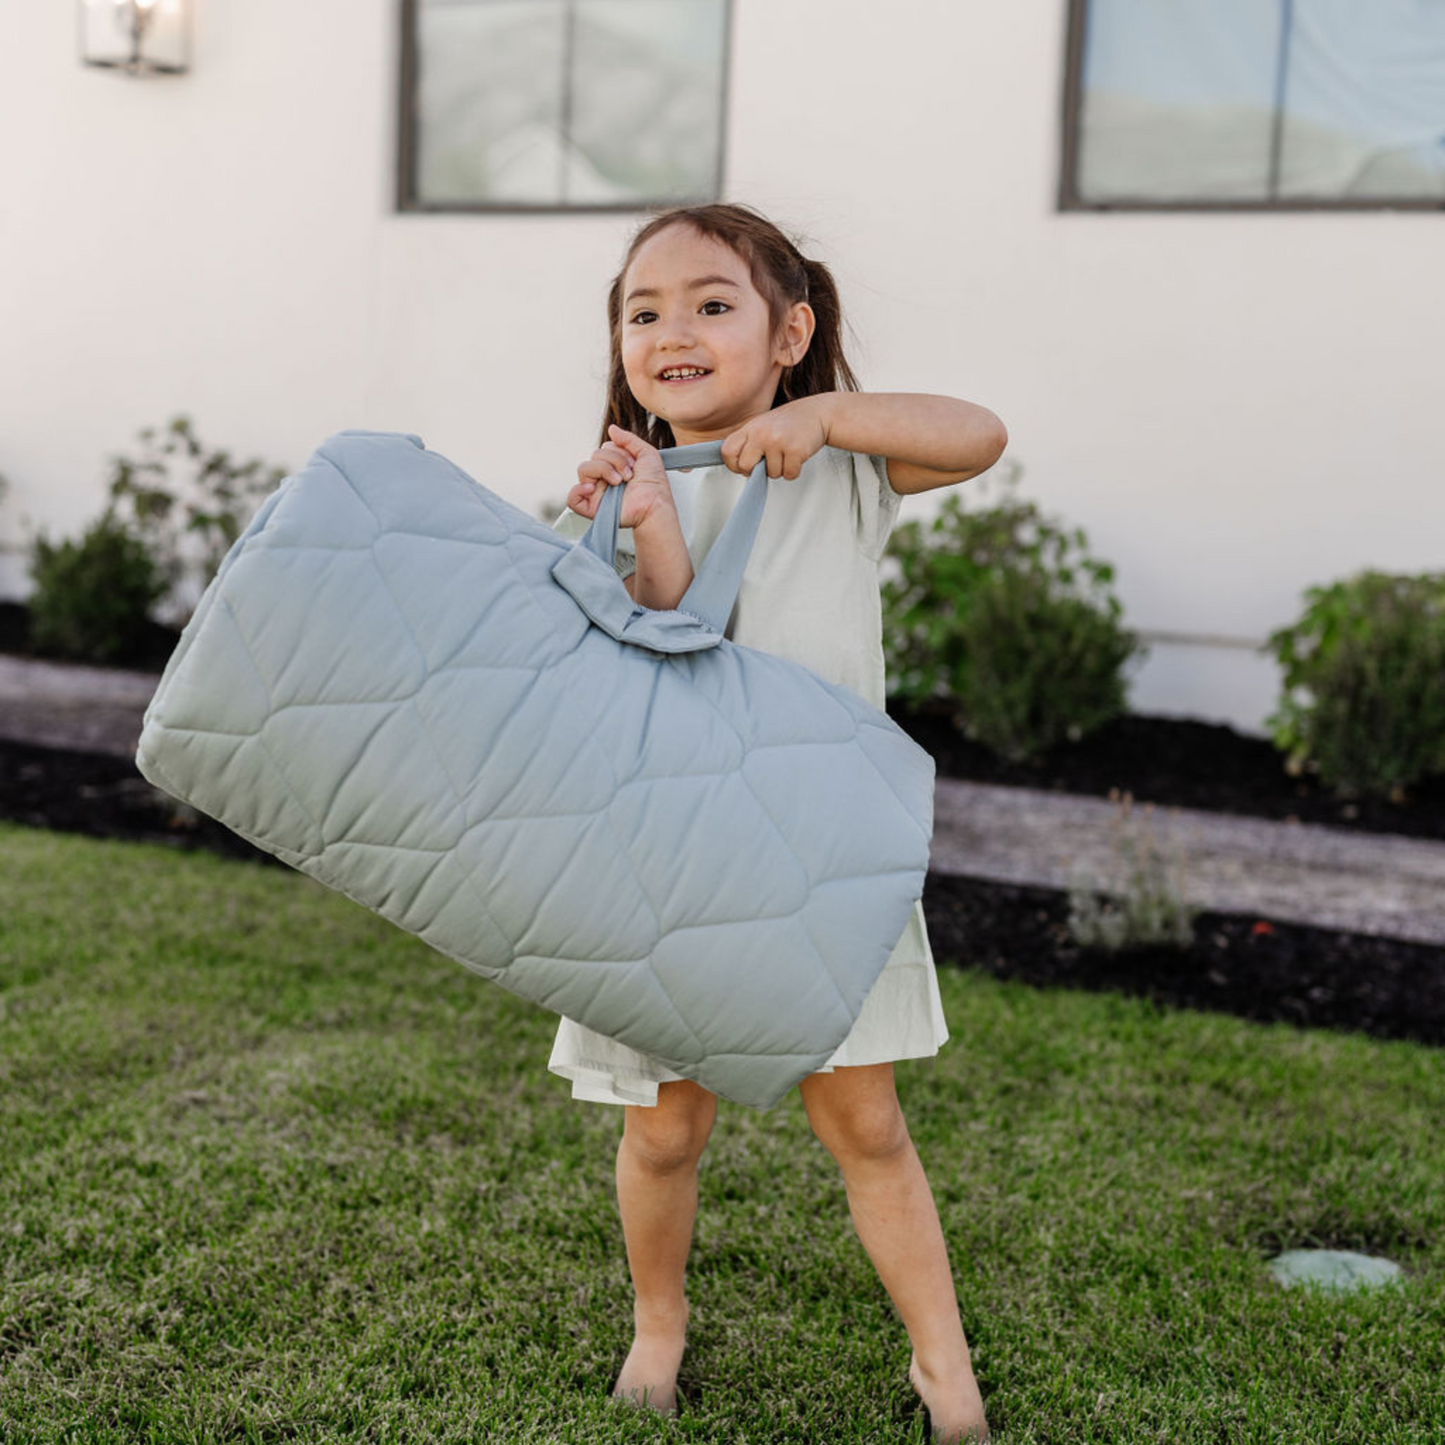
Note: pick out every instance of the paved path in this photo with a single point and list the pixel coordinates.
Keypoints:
(1292, 872)
(89, 709)
(1295, 872)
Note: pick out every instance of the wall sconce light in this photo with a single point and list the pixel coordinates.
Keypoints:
(137, 37)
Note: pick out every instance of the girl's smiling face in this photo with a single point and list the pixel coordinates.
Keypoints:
(689, 302)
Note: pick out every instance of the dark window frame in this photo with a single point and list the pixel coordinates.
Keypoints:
(1073, 99)
(406, 200)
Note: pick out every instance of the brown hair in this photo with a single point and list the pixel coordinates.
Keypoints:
(782, 277)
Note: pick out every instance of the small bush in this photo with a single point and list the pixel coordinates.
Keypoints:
(1363, 700)
(1146, 901)
(92, 598)
(1002, 615)
(188, 522)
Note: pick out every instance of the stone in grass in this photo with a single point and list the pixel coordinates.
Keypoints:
(1333, 1269)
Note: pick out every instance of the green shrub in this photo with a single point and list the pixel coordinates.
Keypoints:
(1146, 900)
(1363, 699)
(188, 521)
(1002, 614)
(92, 598)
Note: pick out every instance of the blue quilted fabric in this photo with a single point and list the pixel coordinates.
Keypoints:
(417, 694)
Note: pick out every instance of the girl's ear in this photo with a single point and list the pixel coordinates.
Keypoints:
(798, 328)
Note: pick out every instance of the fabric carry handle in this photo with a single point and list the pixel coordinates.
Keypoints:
(714, 589)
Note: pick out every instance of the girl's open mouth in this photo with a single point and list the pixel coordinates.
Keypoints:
(689, 376)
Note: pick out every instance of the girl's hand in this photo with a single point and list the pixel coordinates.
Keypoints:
(626, 458)
(786, 436)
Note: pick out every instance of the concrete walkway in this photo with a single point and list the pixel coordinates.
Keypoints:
(58, 705)
(1290, 872)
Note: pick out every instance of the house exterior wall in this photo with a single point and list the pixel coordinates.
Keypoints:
(1233, 405)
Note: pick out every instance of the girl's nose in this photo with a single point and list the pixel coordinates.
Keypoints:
(675, 331)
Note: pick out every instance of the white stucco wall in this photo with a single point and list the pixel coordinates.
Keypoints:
(1235, 406)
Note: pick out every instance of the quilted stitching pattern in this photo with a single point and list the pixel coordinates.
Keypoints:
(708, 855)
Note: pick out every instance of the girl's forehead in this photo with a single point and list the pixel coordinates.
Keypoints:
(678, 254)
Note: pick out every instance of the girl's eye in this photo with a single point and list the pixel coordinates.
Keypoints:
(643, 316)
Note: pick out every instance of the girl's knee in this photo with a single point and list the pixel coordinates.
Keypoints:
(672, 1134)
(869, 1134)
(857, 1115)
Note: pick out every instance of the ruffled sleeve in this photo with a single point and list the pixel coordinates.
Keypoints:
(574, 525)
(875, 503)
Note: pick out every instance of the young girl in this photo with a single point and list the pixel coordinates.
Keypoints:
(721, 331)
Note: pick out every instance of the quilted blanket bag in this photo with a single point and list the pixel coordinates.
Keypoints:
(419, 695)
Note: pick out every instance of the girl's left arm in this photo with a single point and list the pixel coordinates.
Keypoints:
(930, 441)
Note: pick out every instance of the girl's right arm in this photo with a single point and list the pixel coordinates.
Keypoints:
(664, 567)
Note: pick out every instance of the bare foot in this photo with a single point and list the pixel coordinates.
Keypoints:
(649, 1374)
(955, 1407)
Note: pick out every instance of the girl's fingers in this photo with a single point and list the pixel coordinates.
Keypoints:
(602, 469)
(632, 444)
(624, 440)
(733, 449)
(618, 460)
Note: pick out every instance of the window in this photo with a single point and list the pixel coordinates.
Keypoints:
(1252, 104)
(561, 104)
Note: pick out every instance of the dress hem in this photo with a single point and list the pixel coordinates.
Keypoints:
(599, 1083)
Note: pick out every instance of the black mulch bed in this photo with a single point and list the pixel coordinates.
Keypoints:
(1253, 968)
(148, 653)
(106, 797)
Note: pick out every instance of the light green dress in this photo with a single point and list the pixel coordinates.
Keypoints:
(810, 593)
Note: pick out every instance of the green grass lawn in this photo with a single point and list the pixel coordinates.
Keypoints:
(271, 1169)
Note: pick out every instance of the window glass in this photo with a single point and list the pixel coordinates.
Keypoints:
(567, 102)
(647, 106)
(1365, 112)
(1261, 100)
(489, 99)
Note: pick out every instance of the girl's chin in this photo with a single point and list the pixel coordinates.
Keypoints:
(676, 416)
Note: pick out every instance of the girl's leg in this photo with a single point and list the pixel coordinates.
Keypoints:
(855, 1113)
(657, 1198)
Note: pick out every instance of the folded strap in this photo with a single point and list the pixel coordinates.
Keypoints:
(700, 617)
